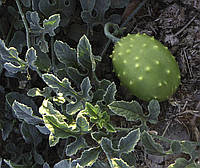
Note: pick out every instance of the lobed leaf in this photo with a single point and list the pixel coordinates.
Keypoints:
(25, 113)
(30, 134)
(84, 54)
(46, 165)
(38, 157)
(119, 163)
(176, 147)
(53, 140)
(13, 165)
(87, 5)
(82, 123)
(63, 86)
(43, 61)
(63, 163)
(154, 111)
(85, 89)
(109, 95)
(179, 163)
(46, 92)
(106, 145)
(51, 24)
(130, 110)
(7, 127)
(18, 41)
(75, 75)
(66, 9)
(89, 157)
(128, 143)
(31, 57)
(8, 54)
(13, 68)
(97, 136)
(65, 54)
(151, 147)
(72, 148)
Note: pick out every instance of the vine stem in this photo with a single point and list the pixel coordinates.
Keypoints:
(124, 24)
(25, 23)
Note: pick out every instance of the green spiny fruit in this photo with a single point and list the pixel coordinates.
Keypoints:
(146, 67)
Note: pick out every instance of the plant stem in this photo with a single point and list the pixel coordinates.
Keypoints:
(125, 22)
(25, 23)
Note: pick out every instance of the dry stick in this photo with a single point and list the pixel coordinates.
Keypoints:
(25, 23)
(125, 22)
(180, 31)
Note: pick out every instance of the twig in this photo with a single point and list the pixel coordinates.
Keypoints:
(133, 13)
(180, 31)
(25, 23)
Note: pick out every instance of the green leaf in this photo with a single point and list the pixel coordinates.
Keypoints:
(13, 165)
(109, 95)
(87, 5)
(58, 128)
(91, 110)
(55, 122)
(188, 147)
(81, 97)
(97, 136)
(151, 147)
(128, 143)
(89, 156)
(13, 68)
(180, 163)
(46, 92)
(63, 164)
(84, 54)
(48, 27)
(109, 127)
(75, 75)
(72, 148)
(82, 124)
(43, 61)
(132, 111)
(66, 9)
(8, 54)
(12, 63)
(53, 140)
(31, 57)
(18, 41)
(38, 157)
(85, 89)
(119, 163)
(51, 24)
(30, 134)
(65, 54)
(106, 145)
(25, 113)
(154, 111)
(176, 147)
(63, 86)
